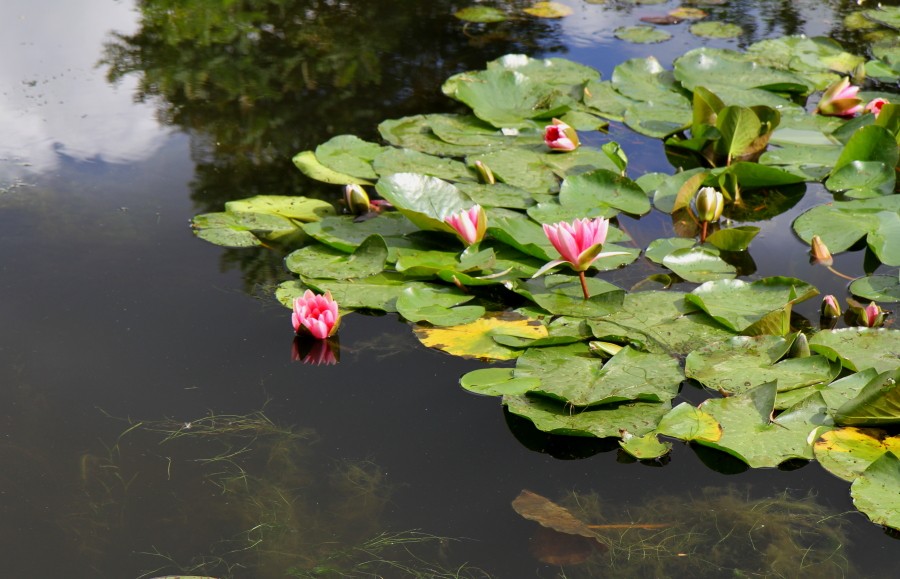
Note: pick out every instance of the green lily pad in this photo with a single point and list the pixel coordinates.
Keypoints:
(344, 233)
(524, 169)
(875, 492)
(424, 200)
(437, 306)
(713, 29)
(548, 10)
(475, 339)
(497, 382)
(299, 208)
(699, 264)
(601, 97)
(392, 160)
(603, 187)
(230, 229)
(758, 307)
(847, 452)
(349, 155)
(325, 262)
(554, 417)
(701, 66)
(688, 423)
(415, 132)
(647, 447)
(659, 322)
(877, 404)
(562, 295)
(377, 292)
(749, 433)
(641, 34)
(860, 348)
(481, 14)
(310, 166)
(805, 54)
(573, 375)
(741, 363)
(877, 288)
(835, 393)
(733, 238)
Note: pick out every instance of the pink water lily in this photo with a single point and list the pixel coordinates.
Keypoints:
(469, 225)
(316, 315)
(580, 243)
(561, 137)
(840, 99)
(874, 106)
(873, 315)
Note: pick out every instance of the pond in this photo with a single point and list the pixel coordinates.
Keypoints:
(157, 417)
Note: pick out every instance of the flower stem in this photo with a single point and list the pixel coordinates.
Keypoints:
(703, 232)
(584, 288)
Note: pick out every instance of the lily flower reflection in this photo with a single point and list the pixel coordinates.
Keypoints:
(312, 351)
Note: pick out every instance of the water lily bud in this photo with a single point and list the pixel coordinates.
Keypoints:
(561, 137)
(356, 199)
(819, 253)
(709, 204)
(840, 99)
(800, 347)
(874, 106)
(830, 307)
(873, 316)
(486, 174)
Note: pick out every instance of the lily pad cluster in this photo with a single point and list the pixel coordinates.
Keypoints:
(615, 364)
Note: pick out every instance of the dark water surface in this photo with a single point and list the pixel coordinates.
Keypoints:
(123, 335)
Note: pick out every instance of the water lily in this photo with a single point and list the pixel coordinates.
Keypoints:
(819, 252)
(316, 315)
(840, 99)
(469, 225)
(580, 243)
(872, 315)
(561, 137)
(830, 307)
(874, 106)
(356, 199)
(709, 204)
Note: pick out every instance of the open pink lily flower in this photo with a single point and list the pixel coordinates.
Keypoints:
(840, 99)
(561, 137)
(316, 315)
(874, 106)
(873, 315)
(469, 225)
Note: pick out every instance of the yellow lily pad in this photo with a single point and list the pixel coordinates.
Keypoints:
(476, 339)
(848, 452)
(549, 10)
(688, 13)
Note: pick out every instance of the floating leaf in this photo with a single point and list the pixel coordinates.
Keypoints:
(377, 292)
(299, 208)
(349, 155)
(641, 34)
(702, 66)
(551, 416)
(877, 404)
(573, 375)
(659, 322)
(562, 295)
(603, 187)
(324, 262)
(647, 447)
(307, 162)
(741, 363)
(835, 394)
(699, 264)
(733, 238)
(762, 306)
(475, 340)
(847, 452)
(687, 422)
(877, 288)
(481, 14)
(548, 10)
(508, 98)
(238, 229)
(749, 433)
(344, 233)
(437, 306)
(859, 348)
(424, 200)
(713, 29)
(497, 382)
(875, 492)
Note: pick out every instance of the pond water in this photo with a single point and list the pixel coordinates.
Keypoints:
(153, 419)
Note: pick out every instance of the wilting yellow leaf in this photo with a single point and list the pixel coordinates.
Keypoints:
(688, 13)
(542, 510)
(549, 10)
(476, 340)
(847, 452)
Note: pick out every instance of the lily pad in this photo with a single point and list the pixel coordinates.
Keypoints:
(481, 14)
(307, 162)
(230, 229)
(877, 404)
(660, 322)
(758, 307)
(860, 348)
(497, 382)
(699, 264)
(647, 447)
(573, 375)
(562, 295)
(641, 34)
(688, 423)
(349, 155)
(554, 417)
(712, 29)
(508, 98)
(701, 66)
(324, 262)
(344, 233)
(424, 200)
(877, 288)
(750, 433)
(848, 452)
(875, 492)
(548, 10)
(475, 340)
(299, 208)
(437, 306)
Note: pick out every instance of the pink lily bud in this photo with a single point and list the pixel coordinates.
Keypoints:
(316, 315)
(873, 315)
(840, 99)
(830, 307)
(469, 225)
(579, 243)
(874, 106)
(561, 137)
